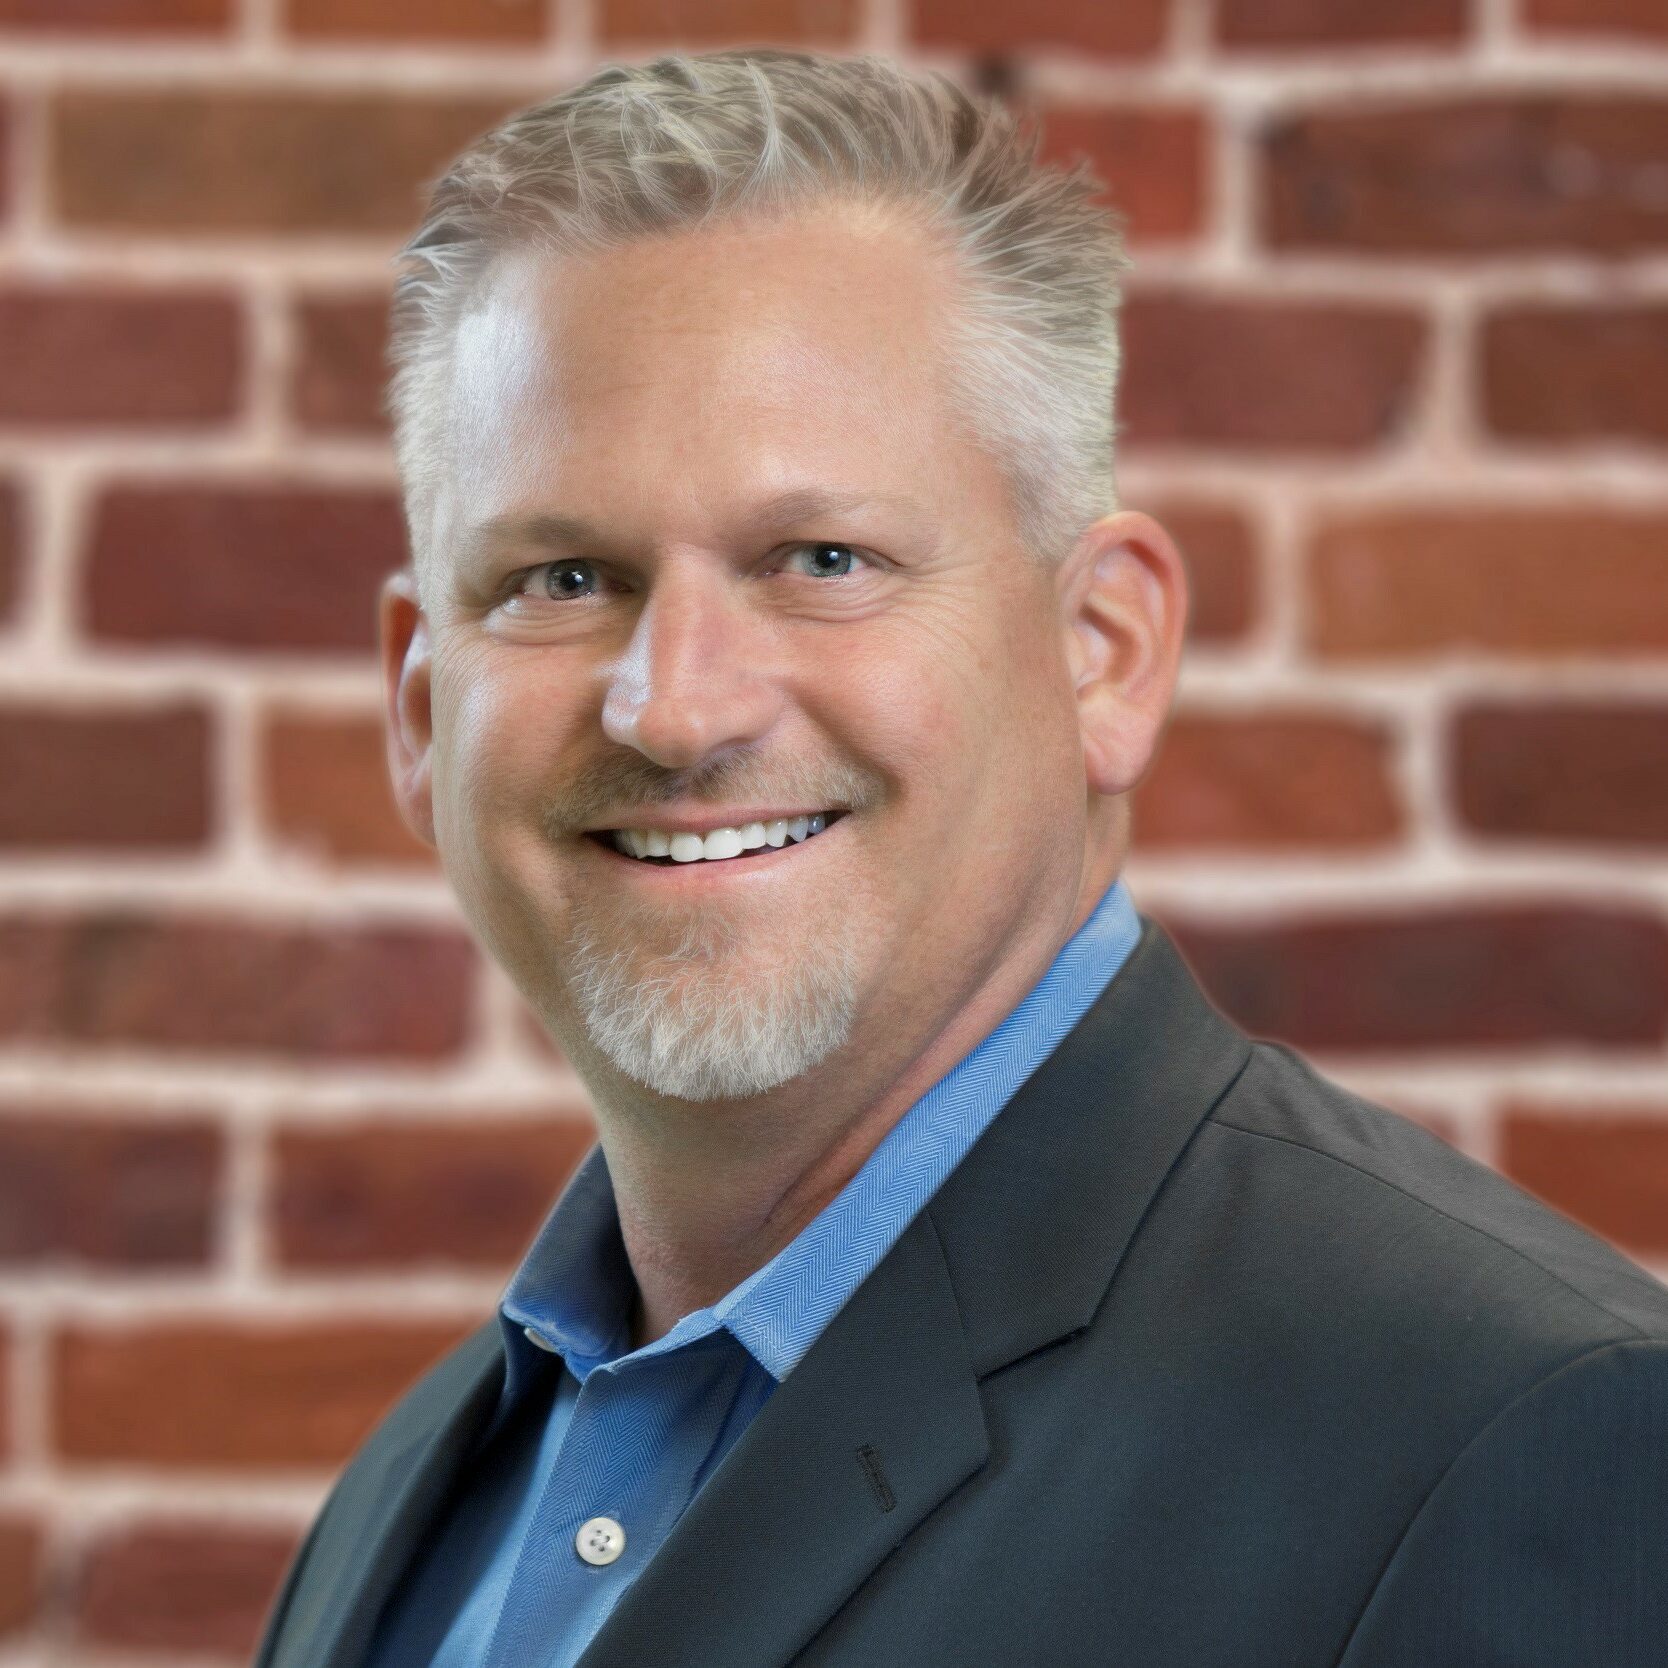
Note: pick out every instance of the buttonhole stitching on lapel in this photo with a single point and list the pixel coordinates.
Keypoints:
(869, 1458)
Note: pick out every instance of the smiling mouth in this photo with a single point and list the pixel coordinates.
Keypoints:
(745, 859)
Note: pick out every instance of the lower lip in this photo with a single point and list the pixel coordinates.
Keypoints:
(724, 871)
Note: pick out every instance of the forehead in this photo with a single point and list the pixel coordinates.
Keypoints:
(839, 288)
(744, 359)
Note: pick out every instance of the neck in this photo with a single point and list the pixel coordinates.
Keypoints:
(708, 1194)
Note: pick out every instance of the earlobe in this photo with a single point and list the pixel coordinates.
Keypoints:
(407, 716)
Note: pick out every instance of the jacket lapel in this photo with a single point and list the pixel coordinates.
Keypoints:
(867, 1434)
(883, 1417)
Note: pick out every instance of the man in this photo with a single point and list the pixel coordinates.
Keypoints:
(951, 1283)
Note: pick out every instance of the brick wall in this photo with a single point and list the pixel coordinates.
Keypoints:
(273, 1132)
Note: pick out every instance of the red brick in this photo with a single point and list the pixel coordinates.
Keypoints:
(247, 160)
(78, 1188)
(1495, 175)
(128, 17)
(725, 22)
(1155, 163)
(11, 550)
(99, 354)
(22, 1570)
(1325, 23)
(340, 373)
(1462, 580)
(1235, 371)
(1639, 19)
(1550, 770)
(213, 984)
(325, 792)
(401, 1196)
(245, 565)
(181, 1584)
(1576, 373)
(5, 157)
(438, 20)
(5, 1391)
(1270, 782)
(1132, 28)
(1220, 554)
(206, 1395)
(104, 778)
(1462, 977)
(1608, 1170)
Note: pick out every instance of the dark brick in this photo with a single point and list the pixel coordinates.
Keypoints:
(380, 1195)
(1226, 371)
(104, 778)
(1132, 28)
(1326, 23)
(1481, 176)
(11, 550)
(340, 372)
(216, 985)
(126, 17)
(209, 1395)
(78, 1188)
(242, 565)
(416, 20)
(725, 22)
(22, 1570)
(1264, 781)
(1631, 19)
(1594, 772)
(98, 354)
(1462, 977)
(1575, 373)
(1155, 164)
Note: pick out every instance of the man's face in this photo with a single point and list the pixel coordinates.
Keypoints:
(692, 652)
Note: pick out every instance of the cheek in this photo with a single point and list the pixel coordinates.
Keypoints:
(490, 760)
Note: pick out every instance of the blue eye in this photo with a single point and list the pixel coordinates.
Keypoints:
(554, 568)
(820, 547)
(556, 589)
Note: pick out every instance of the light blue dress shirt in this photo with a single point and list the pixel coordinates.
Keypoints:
(632, 1434)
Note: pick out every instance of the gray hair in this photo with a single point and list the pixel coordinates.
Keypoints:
(676, 144)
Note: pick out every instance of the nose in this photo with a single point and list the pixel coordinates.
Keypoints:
(694, 680)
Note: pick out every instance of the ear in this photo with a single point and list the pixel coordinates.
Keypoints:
(408, 724)
(1123, 596)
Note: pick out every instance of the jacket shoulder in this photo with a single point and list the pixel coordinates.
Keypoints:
(1455, 1224)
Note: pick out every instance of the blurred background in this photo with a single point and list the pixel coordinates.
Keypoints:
(273, 1133)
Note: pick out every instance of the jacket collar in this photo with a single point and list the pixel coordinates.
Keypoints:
(883, 1417)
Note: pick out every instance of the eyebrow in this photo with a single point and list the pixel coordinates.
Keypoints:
(552, 530)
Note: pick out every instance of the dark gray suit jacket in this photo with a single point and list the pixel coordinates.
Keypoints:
(1196, 1360)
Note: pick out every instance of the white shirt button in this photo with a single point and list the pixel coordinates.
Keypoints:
(600, 1540)
(534, 1338)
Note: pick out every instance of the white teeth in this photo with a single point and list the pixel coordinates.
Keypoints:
(720, 843)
